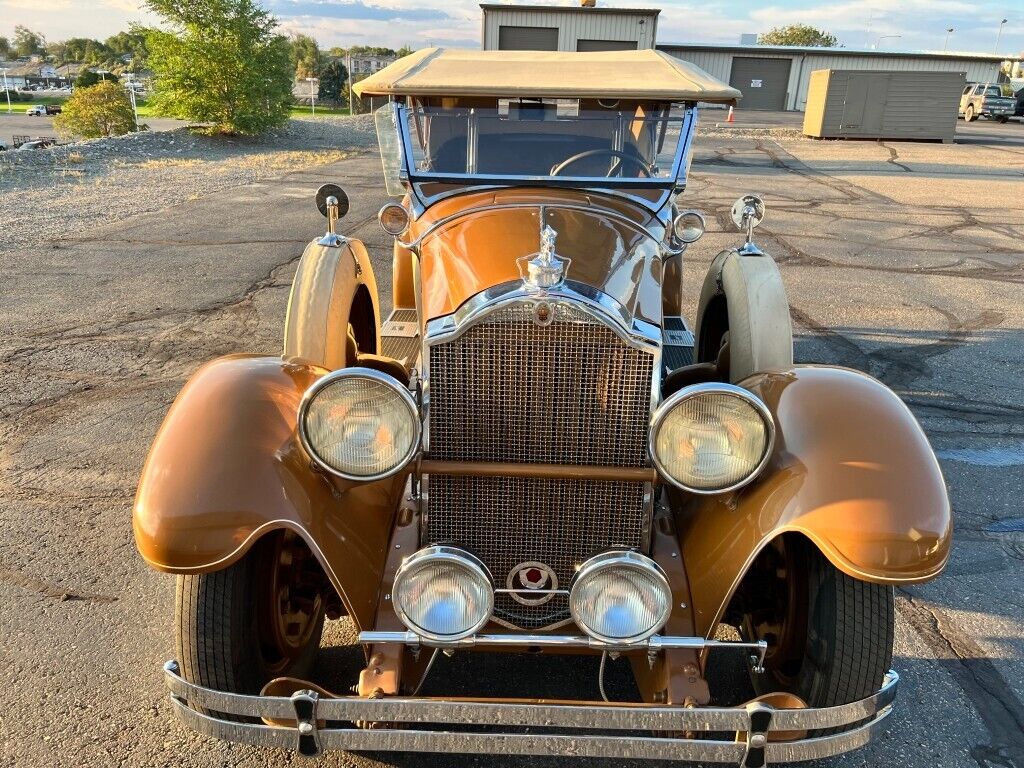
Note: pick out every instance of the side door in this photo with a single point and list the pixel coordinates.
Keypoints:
(965, 97)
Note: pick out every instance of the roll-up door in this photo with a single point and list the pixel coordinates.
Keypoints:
(763, 82)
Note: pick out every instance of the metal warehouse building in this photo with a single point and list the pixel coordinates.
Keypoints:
(777, 77)
(567, 28)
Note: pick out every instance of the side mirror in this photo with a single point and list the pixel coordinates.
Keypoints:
(333, 203)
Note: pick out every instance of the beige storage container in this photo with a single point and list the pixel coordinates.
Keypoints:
(867, 104)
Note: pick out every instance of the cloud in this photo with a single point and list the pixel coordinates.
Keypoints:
(355, 10)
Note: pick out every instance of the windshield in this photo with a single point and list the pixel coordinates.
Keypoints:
(537, 139)
(999, 90)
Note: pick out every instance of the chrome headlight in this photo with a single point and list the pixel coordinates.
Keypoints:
(711, 438)
(620, 597)
(359, 423)
(443, 593)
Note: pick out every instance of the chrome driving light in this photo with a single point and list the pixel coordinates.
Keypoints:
(620, 597)
(359, 424)
(711, 438)
(443, 593)
(688, 226)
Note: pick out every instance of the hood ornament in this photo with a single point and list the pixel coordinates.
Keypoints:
(545, 269)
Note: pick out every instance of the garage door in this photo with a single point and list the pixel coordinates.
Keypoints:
(528, 38)
(605, 45)
(763, 82)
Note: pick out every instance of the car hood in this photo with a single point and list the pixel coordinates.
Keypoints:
(482, 243)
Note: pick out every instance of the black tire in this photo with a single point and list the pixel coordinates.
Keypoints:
(847, 627)
(223, 634)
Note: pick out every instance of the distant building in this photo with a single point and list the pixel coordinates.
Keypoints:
(777, 77)
(367, 64)
(584, 27)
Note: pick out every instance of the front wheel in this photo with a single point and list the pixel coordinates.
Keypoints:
(260, 618)
(830, 635)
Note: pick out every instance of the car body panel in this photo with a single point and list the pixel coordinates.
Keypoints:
(226, 467)
(852, 471)
(477, 251)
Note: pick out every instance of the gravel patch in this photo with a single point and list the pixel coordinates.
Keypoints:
(73, 187)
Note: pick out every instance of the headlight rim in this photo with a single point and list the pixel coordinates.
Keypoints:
(720, 388)
(367, 373)
(452, 554)
(627, 558)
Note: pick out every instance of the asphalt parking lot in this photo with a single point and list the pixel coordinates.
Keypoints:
(903, 260)
(42, 125)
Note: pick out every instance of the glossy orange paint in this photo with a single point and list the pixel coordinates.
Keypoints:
(851, 470)
(480, 250)
(226, 467)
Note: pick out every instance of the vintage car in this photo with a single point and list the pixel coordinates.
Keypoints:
(535, 454)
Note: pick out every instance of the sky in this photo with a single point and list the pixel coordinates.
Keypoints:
(881, 24)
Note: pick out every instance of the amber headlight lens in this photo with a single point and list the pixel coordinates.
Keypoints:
(443, 593)
(711, 438)
(359, 423)
(620, 597)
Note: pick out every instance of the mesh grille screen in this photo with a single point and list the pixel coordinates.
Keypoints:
(568, 393)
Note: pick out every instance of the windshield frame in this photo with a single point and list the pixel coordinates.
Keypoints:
(674, 181)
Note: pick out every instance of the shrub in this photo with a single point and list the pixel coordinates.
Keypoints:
(104, 109)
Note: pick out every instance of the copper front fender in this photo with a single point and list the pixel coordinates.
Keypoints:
(852, 471)
(226, 468)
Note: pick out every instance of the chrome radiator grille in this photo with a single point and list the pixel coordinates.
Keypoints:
(510, 390)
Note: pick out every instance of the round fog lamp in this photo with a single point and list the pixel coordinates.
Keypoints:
(711, 438)
(359, 424)
(393, 218)
(443, 593)
(620, 597)
(688, 226)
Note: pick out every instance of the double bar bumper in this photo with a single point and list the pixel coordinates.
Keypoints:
(329, 723)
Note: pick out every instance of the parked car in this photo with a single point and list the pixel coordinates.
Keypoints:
(34, 144)
(36, 109)
(1019, 106)
(53, 109)
(992, 100)
(3, 145)
(536, 452)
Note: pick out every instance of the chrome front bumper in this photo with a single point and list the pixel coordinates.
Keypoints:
(753, 723)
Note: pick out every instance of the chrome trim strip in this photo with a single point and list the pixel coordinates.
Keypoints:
(349, 709)
(713, 387)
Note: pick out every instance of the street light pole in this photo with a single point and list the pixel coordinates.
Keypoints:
(999, 34)
(7, 91)
(135, 108)
(946, 42)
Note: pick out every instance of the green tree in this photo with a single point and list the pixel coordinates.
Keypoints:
(798, 34)
(222, 62)
(26, 42)
(87, 78)
(100, 110)
(405, 50)
(131, 43)
(5, 47)
(305, 56)
(333, 77)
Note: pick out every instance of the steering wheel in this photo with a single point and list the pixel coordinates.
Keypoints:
(557, 169)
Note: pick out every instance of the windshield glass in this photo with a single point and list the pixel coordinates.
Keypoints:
(999, 90)
(521, 139)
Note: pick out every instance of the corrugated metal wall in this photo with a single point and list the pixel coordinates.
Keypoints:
(719, 64)
(573, 25)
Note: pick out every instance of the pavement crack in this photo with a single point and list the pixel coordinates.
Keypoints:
(992, 697)
(51, 591)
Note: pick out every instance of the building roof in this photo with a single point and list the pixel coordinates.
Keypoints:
(642, 74)
(570, 9)
(822, 51)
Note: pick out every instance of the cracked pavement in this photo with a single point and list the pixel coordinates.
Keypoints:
(902, 260)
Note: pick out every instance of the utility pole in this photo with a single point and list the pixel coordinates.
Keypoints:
(946, 41)
(7, 91)
(351, 96)
(135, 109)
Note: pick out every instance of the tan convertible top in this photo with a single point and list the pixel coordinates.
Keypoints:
(646, 74)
